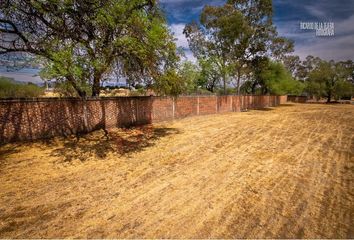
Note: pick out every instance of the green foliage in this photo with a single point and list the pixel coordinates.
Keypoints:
(190, 74)
(279, 81)
(55, 70)
(330, 80)
(210, 75)
(271, 77)
(11, 89)
(212, 42)
(344, 89)
(65, 89)
(170, 83)
(83, 41)
(316, 89)
(232, 36)
(228, 91)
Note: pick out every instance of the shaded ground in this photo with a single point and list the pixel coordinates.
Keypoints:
(284, 173)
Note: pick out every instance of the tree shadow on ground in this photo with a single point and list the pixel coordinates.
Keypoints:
(120, 141)
(266, 109)
(286, 105)
(6, 151)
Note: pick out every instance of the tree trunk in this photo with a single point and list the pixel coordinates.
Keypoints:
(81, 93)
(254, 88)
(329, 96)
(238, 81)
(224, 80)
(96, 85)
(210, 88)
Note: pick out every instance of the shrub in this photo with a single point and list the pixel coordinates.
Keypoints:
(11, 89)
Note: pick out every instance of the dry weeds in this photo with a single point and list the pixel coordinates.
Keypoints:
(285, 173)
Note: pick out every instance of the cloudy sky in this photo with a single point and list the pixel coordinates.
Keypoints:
(287, 17)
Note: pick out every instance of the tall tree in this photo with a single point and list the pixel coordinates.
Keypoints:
(81, 40)
(210, 75)
(235, 34)
(308, 65)
(206, 43)
(294, 65)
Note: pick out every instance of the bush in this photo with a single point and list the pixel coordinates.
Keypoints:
(229, 91)
(279, 81)
(169, 83)
(11, 89)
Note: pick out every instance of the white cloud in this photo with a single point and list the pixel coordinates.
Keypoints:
(345, 26)
(181, 40)
(337, 47)
(177, 30)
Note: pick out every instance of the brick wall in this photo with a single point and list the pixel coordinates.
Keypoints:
(207, 105)
(28, 119)
(297, 99)
(283, 99)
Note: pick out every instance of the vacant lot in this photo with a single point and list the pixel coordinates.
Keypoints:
(285, 172)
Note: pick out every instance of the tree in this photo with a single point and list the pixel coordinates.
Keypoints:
(190, 73)
(234, 35)
(258, 68)
(210, 74)
(329, 80)
(272, 77)
(81, 40)
(170, 83)
(294, 65)
(349, 70)
(308, 65)
(207, 46)
(259, 38)
(278, 80)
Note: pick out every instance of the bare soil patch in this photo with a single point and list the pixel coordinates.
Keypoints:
(283, 173)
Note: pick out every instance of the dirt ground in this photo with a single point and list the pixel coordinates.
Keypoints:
(285, 172)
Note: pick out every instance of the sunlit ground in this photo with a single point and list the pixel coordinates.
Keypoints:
(284, 172)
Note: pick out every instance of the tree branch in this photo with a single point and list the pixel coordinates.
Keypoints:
(14, 31)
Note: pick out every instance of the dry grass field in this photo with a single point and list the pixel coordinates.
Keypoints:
(285, 172)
